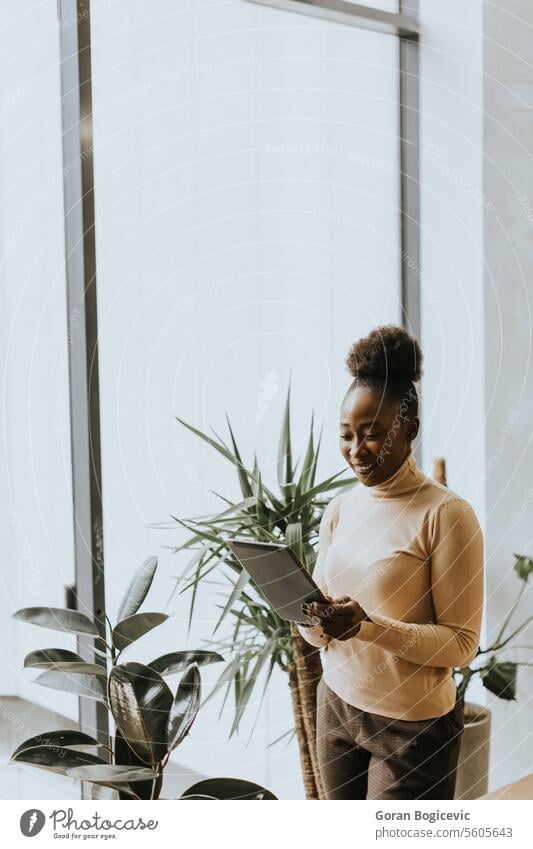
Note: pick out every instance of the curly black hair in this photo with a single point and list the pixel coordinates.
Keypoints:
(388, 360)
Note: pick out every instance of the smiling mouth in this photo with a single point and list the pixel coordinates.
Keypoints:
(364, 468)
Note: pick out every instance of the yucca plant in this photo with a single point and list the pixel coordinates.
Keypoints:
(260, 639)
(150, 720)
(500, 676)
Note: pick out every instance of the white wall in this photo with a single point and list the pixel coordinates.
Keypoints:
(452, 281)
(508, 153)
(452, 242)
(476, 258)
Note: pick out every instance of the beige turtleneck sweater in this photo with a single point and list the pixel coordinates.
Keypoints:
(410, 551)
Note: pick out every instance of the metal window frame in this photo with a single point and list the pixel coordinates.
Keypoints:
(82, 318)
(409, 140)
(80, 262)
(354, 14)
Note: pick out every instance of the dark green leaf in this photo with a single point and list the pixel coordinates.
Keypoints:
(250, 683)
(285, 471)
(293, 537)
(218, 446)
(309, 458)
(140, 702)
(242, 473)
(229, 788)
(523, 566)
(192, 564)
(185, 706)
(63, 661)
(240, 584)
(177, 661)
(197, 797)
(136, 626)
(34, 658)
(88, 686)
(61, 739)
(268, 676)
(126, 756)
(57, 619)
(111, 772)
(500, 679)
(56, 758)
(138, 589)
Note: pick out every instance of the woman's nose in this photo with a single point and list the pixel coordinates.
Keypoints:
(357, 451)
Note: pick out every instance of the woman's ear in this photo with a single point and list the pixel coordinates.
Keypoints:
(413, 426)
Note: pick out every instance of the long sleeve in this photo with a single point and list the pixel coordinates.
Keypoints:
(314, 634)
(457, 594)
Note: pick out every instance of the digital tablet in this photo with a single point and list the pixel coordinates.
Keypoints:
(279, 575)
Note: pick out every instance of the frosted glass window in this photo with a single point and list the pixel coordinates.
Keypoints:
(247, 209)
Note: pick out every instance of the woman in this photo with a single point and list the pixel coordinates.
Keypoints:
(401, 563)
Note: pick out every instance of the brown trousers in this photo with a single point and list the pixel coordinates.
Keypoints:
(366, 756)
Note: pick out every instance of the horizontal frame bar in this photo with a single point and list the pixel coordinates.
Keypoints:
(353, 14)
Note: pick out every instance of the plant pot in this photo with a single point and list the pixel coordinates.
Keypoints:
(473, 765)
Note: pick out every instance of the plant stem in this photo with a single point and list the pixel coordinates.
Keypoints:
(463, 684)
(130, 793)
(154, 782)
(510, 614)
(517, 631)
(104, 641)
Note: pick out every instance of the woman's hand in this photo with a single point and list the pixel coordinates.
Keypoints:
(340, 618)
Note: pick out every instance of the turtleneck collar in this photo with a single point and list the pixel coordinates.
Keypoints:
(406, 478)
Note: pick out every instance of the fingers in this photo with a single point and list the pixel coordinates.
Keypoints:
(317, 608)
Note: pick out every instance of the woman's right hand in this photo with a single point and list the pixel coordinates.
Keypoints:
(339, 618)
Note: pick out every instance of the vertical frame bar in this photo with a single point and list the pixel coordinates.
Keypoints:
(80, 260)
(409, 136)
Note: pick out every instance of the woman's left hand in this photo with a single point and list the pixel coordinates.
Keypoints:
(340, 618)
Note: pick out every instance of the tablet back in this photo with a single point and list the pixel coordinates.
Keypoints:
(278, 574)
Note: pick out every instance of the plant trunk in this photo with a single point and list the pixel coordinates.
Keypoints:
(309, 672)
(308, 774)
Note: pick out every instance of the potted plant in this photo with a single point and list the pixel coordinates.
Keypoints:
(498, 676)
(260, 639)
(150, 720)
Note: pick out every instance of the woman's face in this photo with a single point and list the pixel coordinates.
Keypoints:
(375, 436)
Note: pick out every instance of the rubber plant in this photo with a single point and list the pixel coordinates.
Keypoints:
(260, 640)
(150, 721)
(497, 675)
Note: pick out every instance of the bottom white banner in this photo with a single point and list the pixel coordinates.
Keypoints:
(246, 824)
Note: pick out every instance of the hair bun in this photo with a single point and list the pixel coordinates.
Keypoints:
(388, 354)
